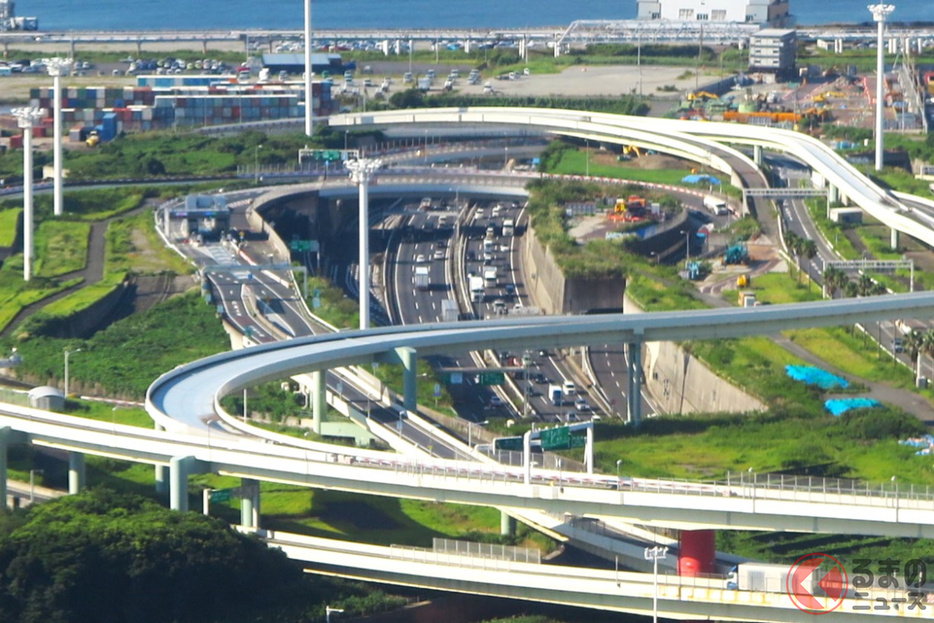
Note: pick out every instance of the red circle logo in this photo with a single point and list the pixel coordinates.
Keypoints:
(814, 589)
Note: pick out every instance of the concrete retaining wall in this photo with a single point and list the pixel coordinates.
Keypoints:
(680, 383)
(556, 295)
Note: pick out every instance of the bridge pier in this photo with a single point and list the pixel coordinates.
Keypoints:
(409, 360)
(757, 155)
(893, 238)
(180, 467)
(467, 45)
(634, 395)
(249, 503)
(76, 472)
(698, 552)
(319, 403)
(5, 433)
(507, 524)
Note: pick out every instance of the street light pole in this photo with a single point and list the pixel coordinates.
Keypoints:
(256, 164)
(687, 246)
(653, 554)
(68, 353)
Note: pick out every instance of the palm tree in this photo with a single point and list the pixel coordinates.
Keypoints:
(809, 251)
(834, 278)
(865, 285)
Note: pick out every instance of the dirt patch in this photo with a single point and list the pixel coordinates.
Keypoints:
(648, 161)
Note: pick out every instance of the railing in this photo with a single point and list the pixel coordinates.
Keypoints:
(486, 550)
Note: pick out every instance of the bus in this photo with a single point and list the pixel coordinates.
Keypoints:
(509, 227)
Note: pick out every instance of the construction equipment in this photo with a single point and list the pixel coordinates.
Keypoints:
(742, 281)
(702, 95)
(736, 253)
(93, 138)
(632, 150)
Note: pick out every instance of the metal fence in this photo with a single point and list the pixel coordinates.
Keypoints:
(486, 550)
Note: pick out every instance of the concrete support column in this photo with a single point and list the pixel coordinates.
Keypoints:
(319, 403)
(588, 451)
(76, 472)
(527, 456)
(757, 154)
(408, 358)
(893, 239)
(507, 525)
(162, 472)
(5, 433)
(249, 503)
(179, 470)
(634, 356)
(467, 44)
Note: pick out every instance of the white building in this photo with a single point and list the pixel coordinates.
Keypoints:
(773, 51)
(765, 12)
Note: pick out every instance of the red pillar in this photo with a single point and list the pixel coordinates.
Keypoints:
(698, 552)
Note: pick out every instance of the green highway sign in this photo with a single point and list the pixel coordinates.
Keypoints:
(561, 439)
(508, 443)
(555, 438)
(491, 378)
(220, 495)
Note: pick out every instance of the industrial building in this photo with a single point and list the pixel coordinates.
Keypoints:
(772, 53)
(773, 13)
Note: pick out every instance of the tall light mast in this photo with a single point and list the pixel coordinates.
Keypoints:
(879, 13)
(361, 171)
(27, 118)
(309, 96)
(58, 67)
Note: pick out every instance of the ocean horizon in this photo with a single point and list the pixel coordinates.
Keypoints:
(397, 14)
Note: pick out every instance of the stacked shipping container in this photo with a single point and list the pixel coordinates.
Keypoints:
(143, 108)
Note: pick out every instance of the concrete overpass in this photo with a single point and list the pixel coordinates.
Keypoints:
(701, 142)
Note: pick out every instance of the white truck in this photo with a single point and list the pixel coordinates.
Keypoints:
(556, 395)
(422, 279)
(762, 577)
(489, 276)
(450, 312)
(475, 284)
(716, 206)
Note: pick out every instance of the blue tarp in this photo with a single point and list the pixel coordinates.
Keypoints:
(696, 178)
(816, 376)
(839, 406)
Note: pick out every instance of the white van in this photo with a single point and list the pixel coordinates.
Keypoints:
(569, 388)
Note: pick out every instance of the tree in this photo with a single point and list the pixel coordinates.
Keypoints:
(108, 557)
(809, 251)
(834, 280)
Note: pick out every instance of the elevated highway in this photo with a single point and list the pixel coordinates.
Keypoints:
(701, 142)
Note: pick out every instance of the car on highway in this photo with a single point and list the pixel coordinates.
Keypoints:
(510, 288)
(496, 210)
(439, 254)
(420, 258)
(480, 213)
(495, 401)
(581, 404)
